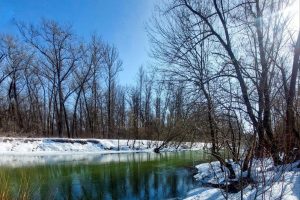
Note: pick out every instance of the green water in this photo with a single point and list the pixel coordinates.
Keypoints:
(110, 176)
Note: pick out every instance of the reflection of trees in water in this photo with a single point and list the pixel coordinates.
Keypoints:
(155, 179)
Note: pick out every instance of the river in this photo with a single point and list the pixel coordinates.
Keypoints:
(107, 176)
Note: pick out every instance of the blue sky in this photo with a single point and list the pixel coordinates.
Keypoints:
(119, 22)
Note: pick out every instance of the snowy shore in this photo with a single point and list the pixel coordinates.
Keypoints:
(270, 182)
(16, 152)
(42, 146)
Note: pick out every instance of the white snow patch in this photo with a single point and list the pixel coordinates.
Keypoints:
(272, 182)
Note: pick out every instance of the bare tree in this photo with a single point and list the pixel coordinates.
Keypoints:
(244, 41)
(112, 66)
(58, 58)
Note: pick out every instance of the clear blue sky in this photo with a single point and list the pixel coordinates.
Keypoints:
(119, 22)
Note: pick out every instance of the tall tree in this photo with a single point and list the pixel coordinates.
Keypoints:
(112, 66)
(58, 56)
(246, 41)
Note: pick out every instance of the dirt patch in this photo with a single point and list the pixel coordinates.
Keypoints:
(69, 141)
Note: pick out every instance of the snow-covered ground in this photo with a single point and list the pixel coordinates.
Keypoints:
(16, 152)
(280, 182)
(42, 146)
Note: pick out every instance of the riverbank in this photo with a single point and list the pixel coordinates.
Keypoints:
(269, 182)
(41, 146)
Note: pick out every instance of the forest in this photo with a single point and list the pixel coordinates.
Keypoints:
(224, 72)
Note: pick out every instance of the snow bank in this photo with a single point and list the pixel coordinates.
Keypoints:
(271, 182)
(16, 152)
(70, 146)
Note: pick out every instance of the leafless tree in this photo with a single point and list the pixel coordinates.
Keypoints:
(112, 66)
(58, 57)
(243, 40)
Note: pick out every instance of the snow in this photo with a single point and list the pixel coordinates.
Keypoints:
(12, 147)
(271, 182)
(59, 145)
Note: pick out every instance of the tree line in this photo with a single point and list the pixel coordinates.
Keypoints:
(54, 84)
(240, 59)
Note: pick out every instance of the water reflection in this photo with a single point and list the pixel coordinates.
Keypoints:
(116, 176)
